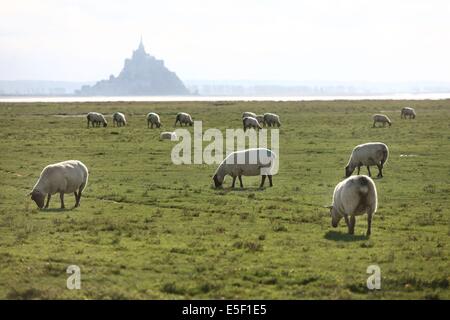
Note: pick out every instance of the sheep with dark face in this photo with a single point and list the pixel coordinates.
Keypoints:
(368, 154)
(249, 162)
(381, 118)
(408, 112)
(185, 118)
(260, 119)
(119, 119)
(64, 177)
(272, 119)
(96, 119)
(352, 197)
(250, 122)
(153, 119)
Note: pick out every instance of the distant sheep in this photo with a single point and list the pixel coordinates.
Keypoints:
(153, 119)
(250, 122)
(168, 136)
(96, 119)
(248, 114)
(249, 162)
(64, 177)
(408, 112)
(368, 154)
(352, 197)
(119, 119)
(260, 119)
(185, 118)
(381, 118)
(272, 119)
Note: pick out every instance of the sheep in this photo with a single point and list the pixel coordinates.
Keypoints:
(185, 118)
(248, 114)
(249, 162)
(352, 197)
(250, 122)
(368, 154)
(381, 118)
(260, 119)
(119, 119)
(96, 119)
(406, 111)
(168, 135)
(272, 119)
(63, 177)
(153, 119)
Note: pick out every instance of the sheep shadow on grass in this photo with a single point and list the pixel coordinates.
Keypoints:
(344, 236)
(56, 210)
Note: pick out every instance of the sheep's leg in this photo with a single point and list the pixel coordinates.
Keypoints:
(359, 169)
(373, 126)
(76, 199)
(61, 196)
(270, 180)
(234, 181)
(380, 170)
(368, 170)
(240, 181)
(263, 179)
(347, 223)
(352, 225)
(369, 223)
(48, 200)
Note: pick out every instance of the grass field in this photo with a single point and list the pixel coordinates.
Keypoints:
(148, 229)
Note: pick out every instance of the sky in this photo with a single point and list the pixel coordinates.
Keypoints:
(279, 40)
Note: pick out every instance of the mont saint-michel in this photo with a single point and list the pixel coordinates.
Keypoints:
(143, 74)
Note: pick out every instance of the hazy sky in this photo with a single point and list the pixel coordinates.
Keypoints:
(348, 40)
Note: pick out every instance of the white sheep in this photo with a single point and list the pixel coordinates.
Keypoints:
(272, 119)
(352, 197)
(64, 177)
(408, 112)
(260, 118)
(185, 118)
(153, 119)
(368, 154)
(166, 135)
(381, 118)
(119, 119)
(96, 119)
(249, 114)
(249, 162)
(250, 122)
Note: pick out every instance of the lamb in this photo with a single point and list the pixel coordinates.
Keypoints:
(248, 114)
(406, 111)
(153, 119)
(166, 135)
(272, 119)
(96, 119)
(63, 177)
(382, 119)
(368, 154)
(249, 162)
(119, 119)
(260, 119)
(185, 118)
(250, 122)
(352, 197)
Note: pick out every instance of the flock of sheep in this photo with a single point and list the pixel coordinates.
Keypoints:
(353, 196)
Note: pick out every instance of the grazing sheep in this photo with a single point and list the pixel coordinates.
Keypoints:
(96, 119)
(368, 154)
(63, 177)
(168, 136)
(249, 114)
(185, 118)
(382, 119)
(249, 162)
(260, 119)
(250, 122)
(153, 119)
(352, 197)
(272, 119)
(406, 111)
(119, 119)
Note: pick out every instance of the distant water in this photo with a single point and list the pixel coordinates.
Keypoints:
(409, 96)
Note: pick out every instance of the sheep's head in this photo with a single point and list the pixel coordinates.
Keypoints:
(105, 124)
(335, 217)
(191, 123)
(38, 197)
(218, 181)
(349, 170)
